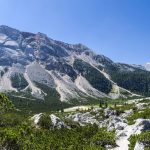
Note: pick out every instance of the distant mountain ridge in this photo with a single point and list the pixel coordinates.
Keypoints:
(38, 66)
(147, 66)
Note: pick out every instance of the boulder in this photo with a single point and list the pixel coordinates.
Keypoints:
(108, 112)
(35, 119)
(141, 106)
(139, 146)
(127, 113)
(142, 125)
(116, 123)
(57, 122)
(84, 118)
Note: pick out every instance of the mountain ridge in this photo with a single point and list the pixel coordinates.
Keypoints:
(29, 61)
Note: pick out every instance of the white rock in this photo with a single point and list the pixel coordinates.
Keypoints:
(84, 118)
(120, 126)
(127, 113)
(123, 135)
(96, 110)
(116, 123)
(139, 146)
(57, 122)
(36, 119)
(108, 112)
(141, 106)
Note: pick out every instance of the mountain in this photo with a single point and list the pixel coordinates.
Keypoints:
(36, 67)
(147, 66)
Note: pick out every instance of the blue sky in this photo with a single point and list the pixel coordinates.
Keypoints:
(119, 29)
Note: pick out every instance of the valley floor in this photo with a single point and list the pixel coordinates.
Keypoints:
(129, 130)
(118, 126)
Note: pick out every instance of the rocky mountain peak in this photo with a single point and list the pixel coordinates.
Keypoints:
(10, 32)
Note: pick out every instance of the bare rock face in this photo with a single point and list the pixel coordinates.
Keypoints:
(44, 63)
(73, 70)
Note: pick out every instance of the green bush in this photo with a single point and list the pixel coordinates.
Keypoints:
(103, 138)
(143, 138)
(5, 104)
(18, 81)
(45, 121)
(96, 79)
(17, 133)
(24, 137)
(144, 114)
